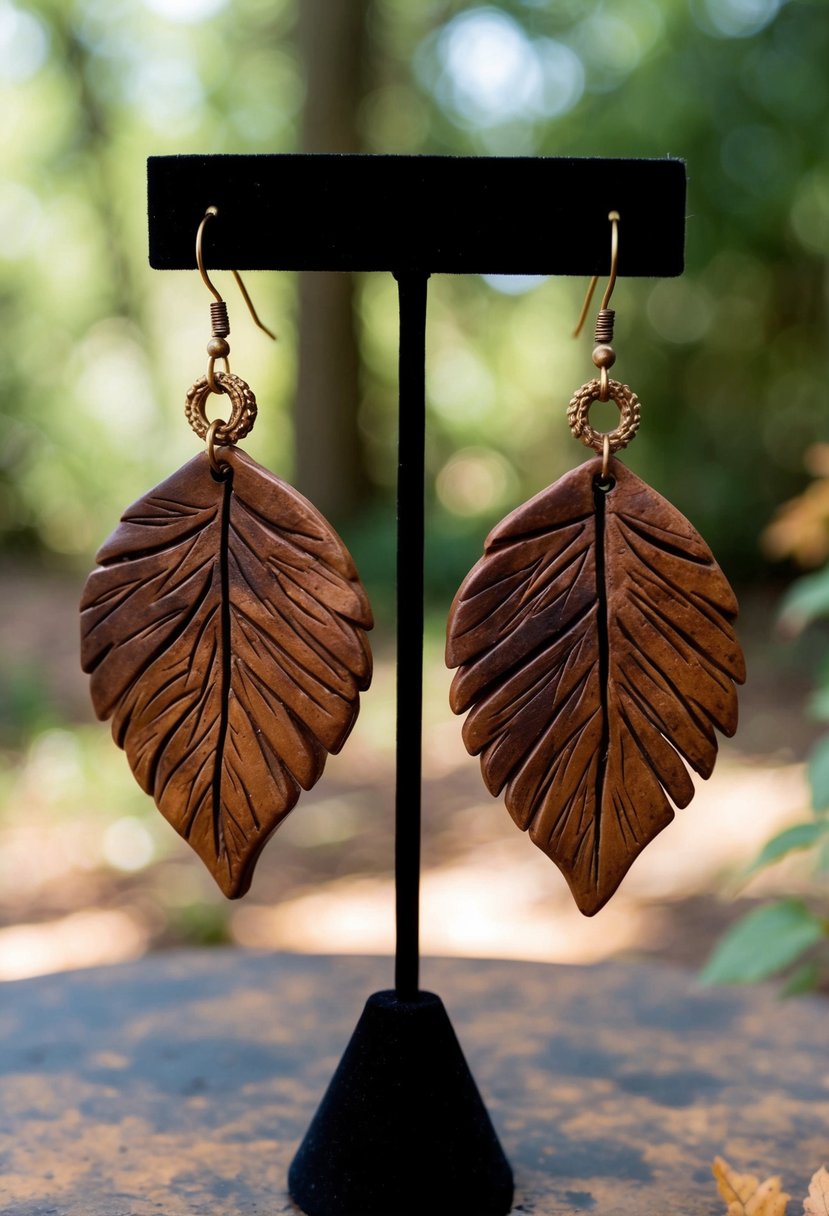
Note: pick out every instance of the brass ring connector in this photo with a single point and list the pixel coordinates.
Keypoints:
(629, 415)
(211, 439)
(242, 408)
(213, 383)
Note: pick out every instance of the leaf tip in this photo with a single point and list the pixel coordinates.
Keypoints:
(817, 1201)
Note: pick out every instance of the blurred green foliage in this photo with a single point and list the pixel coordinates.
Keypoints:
(768, 940)
(788, 938)
(729, 361)
(26, 706)
(98, 351)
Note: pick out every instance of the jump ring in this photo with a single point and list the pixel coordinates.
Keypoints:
(629, 416)
(605, 456)
(242, 408)
(212, 383)
(218, 466)
(604, 385)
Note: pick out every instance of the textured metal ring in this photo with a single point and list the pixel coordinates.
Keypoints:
(629, 415)
(242, 408)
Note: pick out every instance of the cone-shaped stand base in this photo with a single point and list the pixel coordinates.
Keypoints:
(402, 1129)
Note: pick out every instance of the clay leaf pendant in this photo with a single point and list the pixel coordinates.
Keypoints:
(595, 648)
(224, 631)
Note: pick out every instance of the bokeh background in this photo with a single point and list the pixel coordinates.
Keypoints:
(730, 362)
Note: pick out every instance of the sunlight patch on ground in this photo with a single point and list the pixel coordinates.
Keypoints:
(730, 818)
(83, 939)
(505, 899)
(476, 909)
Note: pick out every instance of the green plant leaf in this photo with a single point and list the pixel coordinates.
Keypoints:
(818, 704)
(805, 601)
(821, 865)
(818, 773)
(798, 836)
(803, 979)
(762, 943)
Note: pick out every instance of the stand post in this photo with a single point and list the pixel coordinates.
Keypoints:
(402, 1127)
(412, 288)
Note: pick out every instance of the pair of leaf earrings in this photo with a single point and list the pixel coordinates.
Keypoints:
(225, 633)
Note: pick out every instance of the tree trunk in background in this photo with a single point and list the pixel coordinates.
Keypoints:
(329, 468)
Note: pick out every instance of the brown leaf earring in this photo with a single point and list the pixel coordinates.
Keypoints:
(596, 654)
(224, 633)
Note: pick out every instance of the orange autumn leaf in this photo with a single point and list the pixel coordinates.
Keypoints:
(746, 1195)
(817, 1203)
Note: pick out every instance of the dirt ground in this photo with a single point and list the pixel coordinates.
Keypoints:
(89, 873)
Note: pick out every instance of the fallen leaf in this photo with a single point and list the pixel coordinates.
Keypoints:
(746, 1196)
(817, 1203)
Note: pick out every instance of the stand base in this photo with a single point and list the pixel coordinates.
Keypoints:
(402, 1129)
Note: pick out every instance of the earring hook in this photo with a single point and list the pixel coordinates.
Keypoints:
(209, 215)
(205, 277)
(613, 216)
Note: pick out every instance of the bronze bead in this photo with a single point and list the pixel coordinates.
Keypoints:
(218, 348)
(604, 356)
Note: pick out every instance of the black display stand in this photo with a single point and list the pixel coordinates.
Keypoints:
(402, 1128)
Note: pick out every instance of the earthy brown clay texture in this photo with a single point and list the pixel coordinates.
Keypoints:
(595, 648)
(224, 633)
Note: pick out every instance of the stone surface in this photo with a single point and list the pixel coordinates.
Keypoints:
(181, 1085)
